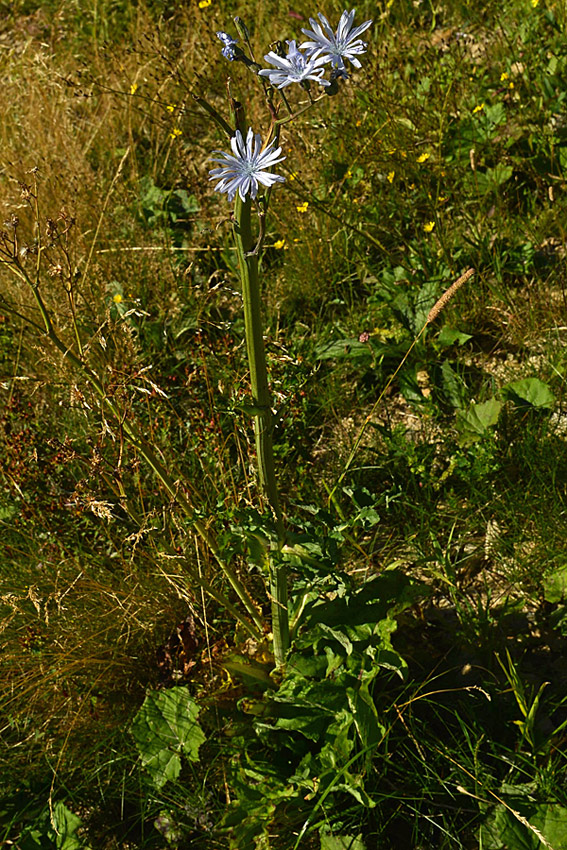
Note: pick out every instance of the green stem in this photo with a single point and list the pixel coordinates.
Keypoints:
(263, 427)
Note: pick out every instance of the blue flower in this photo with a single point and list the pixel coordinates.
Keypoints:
(336, 47)
(229, 45)
(245, 168)
(294, 68)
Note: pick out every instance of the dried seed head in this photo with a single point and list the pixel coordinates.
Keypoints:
(446, 297)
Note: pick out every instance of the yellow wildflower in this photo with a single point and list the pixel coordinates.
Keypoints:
(535, 3)
(279, 244)
(175, 133)
(117, 298)
(391, 176)
(133, 88)
(423, 157)
(478, 108)
(170, 107)
(348, 175)
(204, 3)
(428, 226)
(302, 208)
(503, 76)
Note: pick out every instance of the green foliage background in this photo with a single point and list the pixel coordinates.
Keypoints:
(446, 151)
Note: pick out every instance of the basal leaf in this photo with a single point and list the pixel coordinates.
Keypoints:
(341, 842)
(454, 387)
(165, 728)
(475, 422)
(551, 820)
(493, 178)
(555, 585)
(450, 336)
(530, 392)
(339, 348)
(66, 824)
(523, 825)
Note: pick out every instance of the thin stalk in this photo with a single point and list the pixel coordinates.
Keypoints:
(263, 426)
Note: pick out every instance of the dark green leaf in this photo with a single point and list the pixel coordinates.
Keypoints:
(476, 421)
(65, 825)
(164, 728)
(341, 842)
(530, 392)
(449, 336)
(555, 585)
(454, 387)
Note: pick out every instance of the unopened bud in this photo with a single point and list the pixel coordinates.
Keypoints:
(242, 28)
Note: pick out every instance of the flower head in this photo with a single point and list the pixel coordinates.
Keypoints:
(294, 68)
(336, 47)
(229, 45)
(246, 167)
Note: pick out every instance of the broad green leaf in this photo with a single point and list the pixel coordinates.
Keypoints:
(165, 728)
(475, 422)
(248, 830)
(66, 824)
(189, 202)
(505, 830)
(495, 113)
(424, 301)
(405, 122)
(409, 385)
(555, 585)
(562, 156)
(551, 820)
(340, 741)
(388, 594)
(249, 672)
(530, 392)
(351, 348)
(449, 336)
(341, 842)
(365, 715)
(389, 659)
(493, 178)
(454, 387)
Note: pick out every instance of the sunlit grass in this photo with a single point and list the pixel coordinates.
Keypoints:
(447, 152)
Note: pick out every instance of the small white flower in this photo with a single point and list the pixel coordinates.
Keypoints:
(245, 168)
(335, 47)
(294, 68)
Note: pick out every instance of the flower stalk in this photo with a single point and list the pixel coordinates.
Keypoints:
(263, 425)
